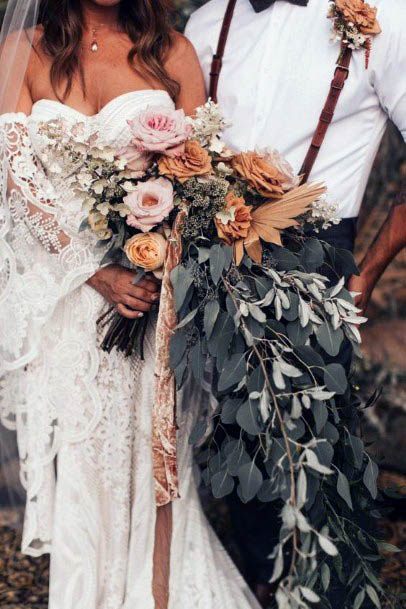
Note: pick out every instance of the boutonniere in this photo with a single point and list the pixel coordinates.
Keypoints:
(354, 22)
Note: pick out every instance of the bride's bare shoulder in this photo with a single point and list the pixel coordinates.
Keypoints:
(184, 67)
(181, 53)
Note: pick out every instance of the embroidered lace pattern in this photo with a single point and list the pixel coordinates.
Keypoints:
(84, 411)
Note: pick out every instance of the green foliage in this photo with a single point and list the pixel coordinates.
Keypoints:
(285, 428)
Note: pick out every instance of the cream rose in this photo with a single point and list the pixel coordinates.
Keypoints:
(146, 250)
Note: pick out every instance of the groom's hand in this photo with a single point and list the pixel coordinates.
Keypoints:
(114, 284)
(364, 287)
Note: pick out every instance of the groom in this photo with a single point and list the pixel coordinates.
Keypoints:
(273, 81)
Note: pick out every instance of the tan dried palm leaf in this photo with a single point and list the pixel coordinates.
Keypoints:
(270, 218)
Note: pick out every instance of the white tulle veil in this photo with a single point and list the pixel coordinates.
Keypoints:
(43, 259)
(17, 31)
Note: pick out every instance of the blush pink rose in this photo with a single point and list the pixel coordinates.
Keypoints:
(160, 129)
(150, 203)
(136, 161)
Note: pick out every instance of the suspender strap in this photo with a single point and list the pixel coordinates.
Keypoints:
(326, 117)
(217, 62)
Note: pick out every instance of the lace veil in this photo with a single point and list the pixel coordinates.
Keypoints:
(43, 258)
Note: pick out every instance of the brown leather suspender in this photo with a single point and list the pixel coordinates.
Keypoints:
(326, 117)
(217, 62)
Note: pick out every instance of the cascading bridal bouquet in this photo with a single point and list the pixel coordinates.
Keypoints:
(243, 286)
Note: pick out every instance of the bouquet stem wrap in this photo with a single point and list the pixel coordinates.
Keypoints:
(164, 412)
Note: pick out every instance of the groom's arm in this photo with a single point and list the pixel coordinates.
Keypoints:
(389, 241)
(388, 79)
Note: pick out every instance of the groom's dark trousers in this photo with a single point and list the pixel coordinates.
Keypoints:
(256, 524)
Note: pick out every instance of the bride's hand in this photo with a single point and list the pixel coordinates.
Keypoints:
(131, 301)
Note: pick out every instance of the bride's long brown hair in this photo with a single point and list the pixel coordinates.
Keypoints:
(146, 22)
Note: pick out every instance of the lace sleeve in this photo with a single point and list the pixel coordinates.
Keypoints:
(43, 256)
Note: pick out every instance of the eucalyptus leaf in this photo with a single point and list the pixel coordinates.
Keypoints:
(373, 596)
(233, 371)
(292, 312)
(250, 479)
(343, 489)
(229, 411)
(312, 256)
(327, 545)
(329, 339)
(197, 362)
(335, 378)
(211, 311)
(177, 348)
(180, 372)
(359, 599)
(222, 484)
(309, 595)
(217, 262)
(357, 448)
(204, 254)
(187, 319)
(320, 414)
(297, 334)
(181, 279)
(247, 417)
(237, 458)
(325, 576)
(278, 567)
(370, 478)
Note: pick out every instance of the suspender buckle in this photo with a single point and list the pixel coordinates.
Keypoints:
(344, 68)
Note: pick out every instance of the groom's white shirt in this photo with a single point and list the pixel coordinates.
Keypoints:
(276, 74)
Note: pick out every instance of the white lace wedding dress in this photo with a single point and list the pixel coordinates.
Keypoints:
(81, 412)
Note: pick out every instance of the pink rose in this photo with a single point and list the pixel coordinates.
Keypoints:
(289, 178)
(160, 129)
(150, 203)
(136, 161)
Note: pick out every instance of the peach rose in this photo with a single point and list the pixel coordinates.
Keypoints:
(259, 173)
(195, 161)
(239, 223)
(146, 250)
(361, 14)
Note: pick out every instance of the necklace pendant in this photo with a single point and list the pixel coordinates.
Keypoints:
(94, 47)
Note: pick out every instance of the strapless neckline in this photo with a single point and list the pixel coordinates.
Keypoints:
(116, 100)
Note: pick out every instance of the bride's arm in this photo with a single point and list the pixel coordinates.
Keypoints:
(112, 282)
(184, 67)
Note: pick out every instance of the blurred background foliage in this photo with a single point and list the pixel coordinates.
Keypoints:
(23, 581)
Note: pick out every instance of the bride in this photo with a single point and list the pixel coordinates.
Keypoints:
(83, 418)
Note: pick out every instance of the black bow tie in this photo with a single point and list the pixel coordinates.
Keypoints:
(261, 5)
